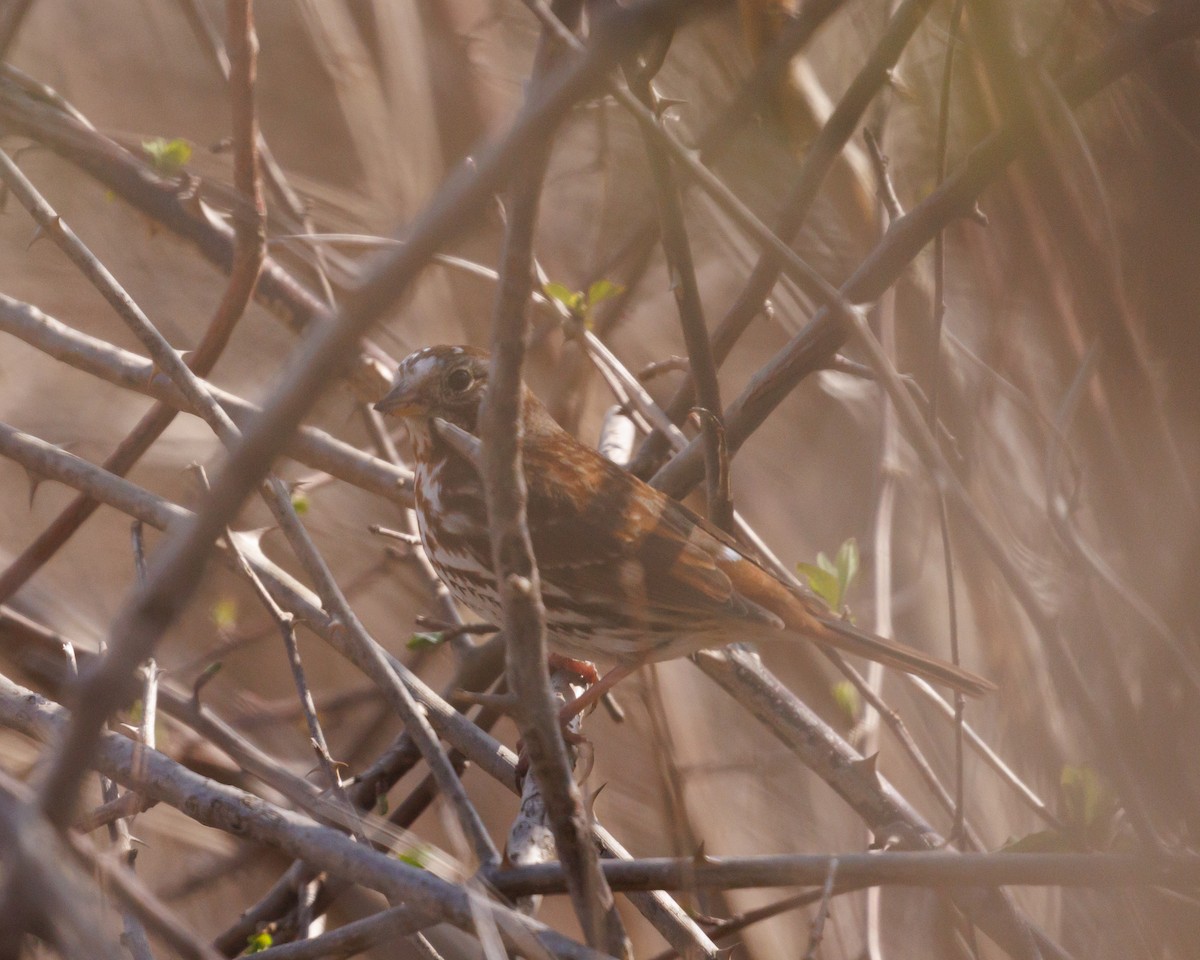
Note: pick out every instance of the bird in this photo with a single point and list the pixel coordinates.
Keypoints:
(628, 574)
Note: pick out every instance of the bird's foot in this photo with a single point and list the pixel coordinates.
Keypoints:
(584, 669)
(596, 691)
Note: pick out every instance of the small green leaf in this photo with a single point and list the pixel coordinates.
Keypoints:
(300, 503)
(381, 805)
(1041, 841)
(416, 857)
(564, 295)
(169, 156)
(846, 696)
(826, 564)
(603, 290)
(822, 582)
(1089, 808)
(1083, 795)
(422, 641)
(205, 676)
(258, 942)
(224, 613)
(847, 565)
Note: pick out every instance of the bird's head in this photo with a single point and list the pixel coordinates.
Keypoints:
(446, 382)
(450, 383)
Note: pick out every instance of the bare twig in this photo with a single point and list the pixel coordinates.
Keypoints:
(286, 624)
(386, 449)
(884, 189)
(512, 554)
(939, 316)
(119, 808)
(817, 932)
(885, 509)
(134, 936)
(929, 868)
(682, 271)
(310, 446)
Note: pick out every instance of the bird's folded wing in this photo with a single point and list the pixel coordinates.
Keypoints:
(613, 538)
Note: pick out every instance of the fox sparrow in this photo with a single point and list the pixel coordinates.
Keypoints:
(628, 575)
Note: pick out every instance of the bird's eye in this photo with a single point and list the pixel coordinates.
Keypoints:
(459, 380)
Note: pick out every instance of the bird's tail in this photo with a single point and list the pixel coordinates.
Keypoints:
(845, 636)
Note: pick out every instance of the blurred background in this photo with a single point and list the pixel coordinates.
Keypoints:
(1069, 387)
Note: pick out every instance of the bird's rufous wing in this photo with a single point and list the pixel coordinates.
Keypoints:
(603, 535)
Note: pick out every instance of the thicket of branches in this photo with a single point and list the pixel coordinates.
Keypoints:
(911, 288)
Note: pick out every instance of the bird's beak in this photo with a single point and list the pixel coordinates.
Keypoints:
(400, 402)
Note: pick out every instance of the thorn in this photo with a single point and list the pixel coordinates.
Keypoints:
(902, 88)
(255, 536)
(590, 801)
(35, 481)
(613, 706)
(867, 766)
(663, 104)
(38, 233)
(700, 857)
(204, 679)
(978, 216)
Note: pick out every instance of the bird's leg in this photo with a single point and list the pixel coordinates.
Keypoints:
(598, 689)
(567, 676)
